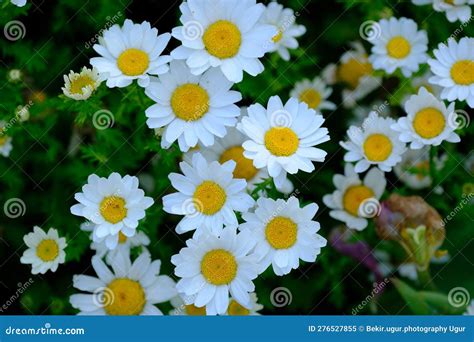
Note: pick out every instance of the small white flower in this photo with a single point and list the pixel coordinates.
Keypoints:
(19, 3)
(113, 204)
(213, 266)
(191, 108)
(351, 194)
(80, 86)
(131, 52)
(207, 195)
(14, 75)
(399, 46)
(453, 67)
(375, 143)
(5, 140)
(314, 93)
(428, 121)
(284, 20)
(45, 250)
(129, 289)
(284, 233)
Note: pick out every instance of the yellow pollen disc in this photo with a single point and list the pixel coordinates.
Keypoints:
(222, 39)
(112, 209)
(281, 141)
(377, 147)
(311, 97)
(124, 297)
(190, 102)
(351, 71)
(81, 82)
(449, 2)
(281, 232)
(192, 310)
(235, 309)
(429, 123)
(354, 196)
(209, 197)
(122, 237)
(398, 47)
(3, 139)
(244, 167)
(133, 62)
(276, 38)
(47, 250)
(462, 72)
(219, 267)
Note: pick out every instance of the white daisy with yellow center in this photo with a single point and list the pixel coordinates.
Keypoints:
(284, 20)
(45, 250)
(223, 34)
(131, 52)
(208, 195)
(282, 138)
(5, 140)
(375, 143)
(80, 86)
(191, 108)
(355, 200)
(428, 121)
(212, 266)
(114, 204)
(399, 45)
(284, 234)
(128, 289)
(453, 67)
(314, 93)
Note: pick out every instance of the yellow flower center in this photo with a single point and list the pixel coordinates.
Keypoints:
(112, 209)
(354, 196)
(462, 72)
(124, 296)
(81, 82)
(235, 309)
(311, 97)
(190, 102)
(222, 39)
(219, 267)
(209, 197)
(377, 147)
(351, 71)
(3, 139)
(133, 62)
(122, 237)
(47, 250)
(276, 38)
(244, 167)
(449, 2)
(398, 47)
(192, 310)
(281, 141)
(429, 123)
(281, 232)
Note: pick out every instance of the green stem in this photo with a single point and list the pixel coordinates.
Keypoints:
(433, 171)
(425, 280)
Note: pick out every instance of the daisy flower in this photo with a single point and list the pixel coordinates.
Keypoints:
(45, 250)
(399, 46)
(113, 204)
(455, 9)
(428, 121)
(5, 141)
(282, 137)
(131, 52)
(191, 108)
(19, 3)
(453, 67)
(207, 195)
(314, 93)
(80, 86)
(236, 309)
(355, 200)
(128, 289)
(223, 34)
(284, 19)
(213, 266)
(284, 234)
(375, 143)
